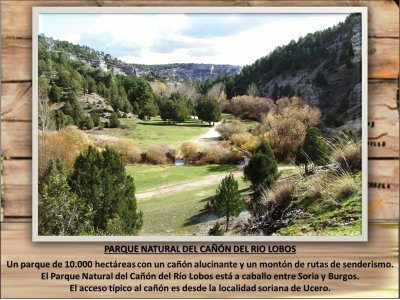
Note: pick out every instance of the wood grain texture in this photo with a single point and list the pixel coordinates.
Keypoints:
(383, 119)
(16, 139)
(374, 282)
(17, 18)
(383, 179)
(16, 101)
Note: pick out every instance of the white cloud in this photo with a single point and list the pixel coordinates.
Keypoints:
(72, 37)
(141, 30)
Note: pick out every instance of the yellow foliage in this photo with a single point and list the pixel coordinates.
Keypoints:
(245, 141)
(65, 144)
(126, 148)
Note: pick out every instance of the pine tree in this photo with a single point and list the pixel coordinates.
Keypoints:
(262, 168)
(61, 212)
(228, 201)
(314, 149)
(100, 179)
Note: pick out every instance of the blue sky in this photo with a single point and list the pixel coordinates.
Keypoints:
(237, 39)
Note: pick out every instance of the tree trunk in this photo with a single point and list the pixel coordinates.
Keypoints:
(227, 223)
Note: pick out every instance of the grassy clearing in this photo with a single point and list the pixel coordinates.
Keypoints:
(229, 118)
(180, 213)
(336, 211)
(156, 132)
(149, 177)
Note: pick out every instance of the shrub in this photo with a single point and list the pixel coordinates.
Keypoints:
(189, 152)
(251, 107)
(261, 170)
(65, 144)
(95, 118)
(101, 126)
(218, 155)
(216, 230)
(114, 121)
(285, 130)
(127, 149)
(157, 155)
(89, 123)
(228, 129)
(313, 150)
(348, 156)
(275, 202)
(345, 186)
(245, 141)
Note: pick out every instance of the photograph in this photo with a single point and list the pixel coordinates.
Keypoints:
(199, 124)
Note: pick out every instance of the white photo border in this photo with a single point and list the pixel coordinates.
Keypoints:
(36, 11)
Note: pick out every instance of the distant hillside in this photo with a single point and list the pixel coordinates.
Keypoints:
(176, 72)
(324, 68)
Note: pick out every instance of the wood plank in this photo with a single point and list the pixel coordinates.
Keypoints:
(383, 119)
(383, 178)
(383, 59)
(383, 190)
(16, 139)
(373, 282)
(17, 18)
(16, 101)
(16, 59)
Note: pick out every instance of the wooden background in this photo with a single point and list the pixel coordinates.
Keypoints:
(383, 148)
(383, 144)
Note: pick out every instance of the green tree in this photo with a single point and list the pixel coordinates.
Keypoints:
(101, 180)
(61, 212)
(228, 201)
(95, 118)
(208, 110)
(313, 150)
(262, 169)
(114, 121)
(55, 93)
(150, 109)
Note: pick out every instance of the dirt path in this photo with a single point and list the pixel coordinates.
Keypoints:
(211, 137)
(181, 187)
(184, 186)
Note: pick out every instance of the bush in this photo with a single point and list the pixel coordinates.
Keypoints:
(251, 107)
(65, 144)
(114, 121)
(261, 170)
(228, 129)
(245, 141)
(345, 186)
(348, 156)
(275, 202)
(189, 152)
(218, 155)
(95, 118)
(126, 148)
(216, 230)
(101, 126)
(157, 155)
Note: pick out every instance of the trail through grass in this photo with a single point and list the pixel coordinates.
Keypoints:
(179, 213)
(149, 177)
(156, 132)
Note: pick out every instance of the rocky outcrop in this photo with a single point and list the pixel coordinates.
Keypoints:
(339, 96)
